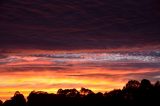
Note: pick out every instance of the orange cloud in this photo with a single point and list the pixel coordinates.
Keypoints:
(49, 72)
(51, 80)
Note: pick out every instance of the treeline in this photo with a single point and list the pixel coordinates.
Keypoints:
(134, 93)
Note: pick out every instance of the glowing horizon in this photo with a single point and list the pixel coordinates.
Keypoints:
(96, 44)
(99, 71)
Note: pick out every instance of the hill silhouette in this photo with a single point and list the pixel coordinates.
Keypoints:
(134, 93)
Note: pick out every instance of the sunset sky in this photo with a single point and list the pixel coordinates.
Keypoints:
(98, 44)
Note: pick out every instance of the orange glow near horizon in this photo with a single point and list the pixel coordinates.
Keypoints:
(51, 81)
(98, 71)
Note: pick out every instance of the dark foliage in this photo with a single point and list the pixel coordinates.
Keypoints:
(134, 93)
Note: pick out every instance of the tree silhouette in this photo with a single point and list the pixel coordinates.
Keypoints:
(157, 85)
(8, 103)
(1, 103)
(145, 84)
(85, 91)
(17, 100)
(132, 85)
(133, 93)
(68, 92)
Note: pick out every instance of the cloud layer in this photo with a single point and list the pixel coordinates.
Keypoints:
(100, 71)
(85, 24)
(98, 44)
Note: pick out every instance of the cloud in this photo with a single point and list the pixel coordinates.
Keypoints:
(110, 42)
(82, 24)
(83, 60)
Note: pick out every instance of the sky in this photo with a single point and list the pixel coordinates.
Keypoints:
(98, 44)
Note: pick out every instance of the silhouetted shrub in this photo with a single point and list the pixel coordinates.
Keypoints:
(133, 93)
(17, 100)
